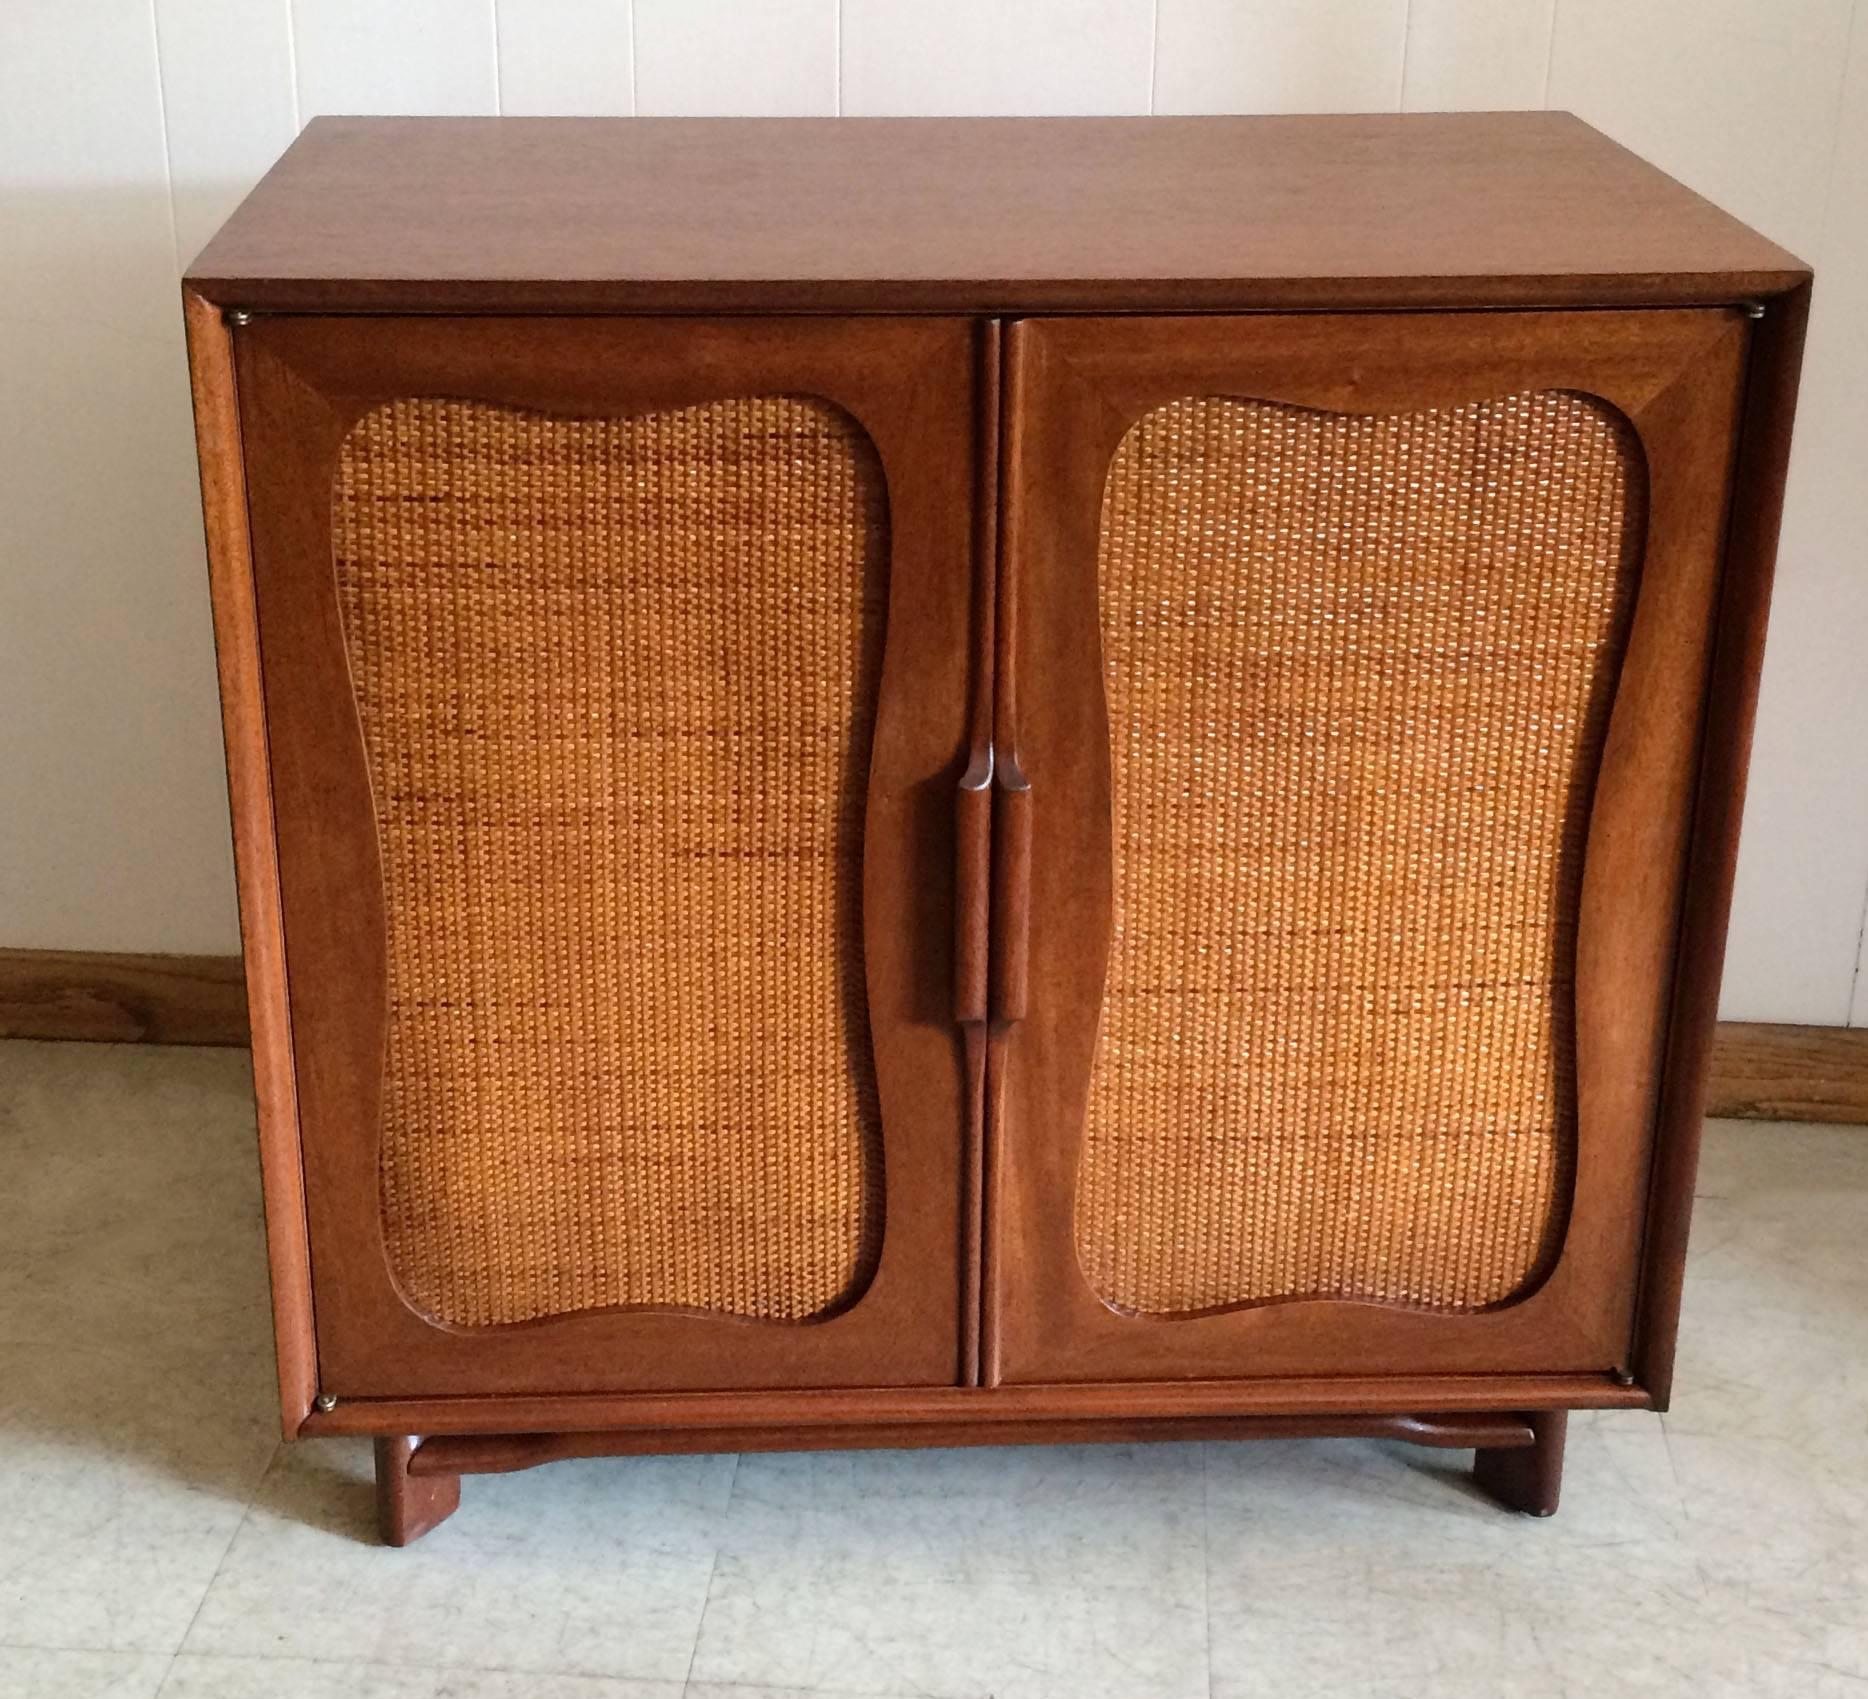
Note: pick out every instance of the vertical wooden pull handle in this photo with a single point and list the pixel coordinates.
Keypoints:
(1011, 892)
(972, 890)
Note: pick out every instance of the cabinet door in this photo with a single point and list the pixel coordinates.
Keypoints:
(615, 676)
(1351, 690)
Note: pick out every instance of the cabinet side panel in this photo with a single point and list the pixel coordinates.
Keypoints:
(616, 680)
(243, 718)
(1770, 403)
(1359, 672)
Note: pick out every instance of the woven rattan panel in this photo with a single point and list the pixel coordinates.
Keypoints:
(1359, 674)
(615, 680)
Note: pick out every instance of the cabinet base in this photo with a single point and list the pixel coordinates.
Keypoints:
(1519, 1457)
(1527, 1478)
(408, 1504)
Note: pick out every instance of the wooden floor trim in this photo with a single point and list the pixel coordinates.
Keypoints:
(120, 999)
(1759, 1072)
(1789, 1073)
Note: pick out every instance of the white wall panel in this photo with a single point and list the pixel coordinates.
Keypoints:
(746, 58)
(1828, 523)
(565, 58)
(1279, 55)
(1734, 98)
(128, 130)
(1741, 102)
(1477, 55)
(224, 131)
(1832, 459)
(395, 56)
(987, 56)
(113, 821)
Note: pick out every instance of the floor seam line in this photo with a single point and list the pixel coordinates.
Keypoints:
(220, 1563)
(713, 1569)
(1206, 1555)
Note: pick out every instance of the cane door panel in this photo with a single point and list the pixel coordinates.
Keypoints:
(615, 678)
(1350, 688)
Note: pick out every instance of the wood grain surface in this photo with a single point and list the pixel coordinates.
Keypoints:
(968, 215)
(1789, 1073)
(113, 998)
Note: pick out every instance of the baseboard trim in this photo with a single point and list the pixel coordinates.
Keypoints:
(1760, 1072)
(109, 998)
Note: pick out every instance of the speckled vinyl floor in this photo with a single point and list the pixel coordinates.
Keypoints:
(155, 1538)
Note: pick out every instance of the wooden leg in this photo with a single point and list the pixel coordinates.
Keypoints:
(1527, 1478)
(407, 1506)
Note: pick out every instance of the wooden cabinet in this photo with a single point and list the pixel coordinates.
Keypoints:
(952, 782)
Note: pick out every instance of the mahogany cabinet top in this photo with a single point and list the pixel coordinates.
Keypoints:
(973, 215)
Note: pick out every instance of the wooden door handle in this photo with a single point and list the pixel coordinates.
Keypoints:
(972, 892)
(1011, 891)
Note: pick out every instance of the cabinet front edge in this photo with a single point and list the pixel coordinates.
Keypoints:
(940, 1408)
(989, 297)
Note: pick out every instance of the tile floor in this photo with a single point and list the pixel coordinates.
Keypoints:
(156, 1539)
